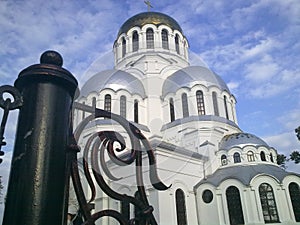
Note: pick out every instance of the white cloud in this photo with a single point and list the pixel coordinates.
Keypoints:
(290, 120)
(285, 143)
(262, 70)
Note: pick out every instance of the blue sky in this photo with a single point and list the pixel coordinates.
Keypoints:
(253, 45)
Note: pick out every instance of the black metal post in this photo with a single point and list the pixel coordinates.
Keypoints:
(37, 185)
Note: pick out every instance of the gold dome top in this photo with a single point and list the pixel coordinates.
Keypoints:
(144, 18)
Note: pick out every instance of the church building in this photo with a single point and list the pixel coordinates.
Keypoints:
(218, 174)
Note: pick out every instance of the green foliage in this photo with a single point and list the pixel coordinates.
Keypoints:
(295, 156)
(297, 130)
(281, 160)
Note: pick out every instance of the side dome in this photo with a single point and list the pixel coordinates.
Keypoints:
(115, 80)
(240, 140)
(144, 18)
(190, 76)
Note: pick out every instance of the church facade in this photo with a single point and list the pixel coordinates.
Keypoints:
(218, 173)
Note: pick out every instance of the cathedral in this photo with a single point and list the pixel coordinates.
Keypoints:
(218, 174)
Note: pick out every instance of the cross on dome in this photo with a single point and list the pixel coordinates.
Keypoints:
(148, 3)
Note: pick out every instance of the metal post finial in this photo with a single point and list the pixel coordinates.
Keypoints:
(148, 3)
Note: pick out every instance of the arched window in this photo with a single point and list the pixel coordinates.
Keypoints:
(268, 203)
(107, 102)
(150, 38)
(185, 106)
(172, 111)
(94, 102)
(180, 207)
(123, 47)
(234, 205)
(177, 44)
(215, 103)
(236, 157)
(165, 39)
(200, 103)
(83, 112)
(250, 156)
(225, 106)
(271, 157)
(295, 199)
(135, 41)
(262, 156)
(136, 111)
(123, 106)
(223, 160)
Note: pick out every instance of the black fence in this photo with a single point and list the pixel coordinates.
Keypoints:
(45, 152)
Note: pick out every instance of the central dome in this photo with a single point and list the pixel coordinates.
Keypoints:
(155, 18)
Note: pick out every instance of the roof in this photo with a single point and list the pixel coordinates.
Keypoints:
(115, 80)
(190, 76)
(144, 18)
(240, 140)
(245, 173)
(177, 149)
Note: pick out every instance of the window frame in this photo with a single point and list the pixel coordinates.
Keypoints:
(268, 203)
(165, 39)
(135, 41)
(185, 105)
(234, 206)
(123, 106)
(107, 102)
(150, 38)
(200, 102)
(180, 207)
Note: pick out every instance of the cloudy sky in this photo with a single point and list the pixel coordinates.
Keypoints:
(253, 45)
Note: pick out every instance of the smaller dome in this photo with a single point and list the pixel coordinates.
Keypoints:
(115, 80)
(190, 76)
(144, 18)
(240, 140)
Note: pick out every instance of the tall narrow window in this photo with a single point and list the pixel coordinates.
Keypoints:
(150, 38)
(223, 160)
(123, 47)
(268, 203)
(262, 156)
(94, 102)
(165, 39)
(295, 199)
(225, 106)
(250, 156)
(123, 106)
(136, 111)
(234, 205)
(185, 106)
(200, 103)
(107, 102)
(180, 207)
(83, 112)
(177, 44)
(215, 103)
(236, 157)
(172, 111)
(271, 157)
(135, 41)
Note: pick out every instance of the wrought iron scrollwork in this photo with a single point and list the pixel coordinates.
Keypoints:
(7, 104)
(93, 159)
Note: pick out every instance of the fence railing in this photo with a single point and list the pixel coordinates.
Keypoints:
(45, 152)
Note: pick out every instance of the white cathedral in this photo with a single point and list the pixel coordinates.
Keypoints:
(218, 173)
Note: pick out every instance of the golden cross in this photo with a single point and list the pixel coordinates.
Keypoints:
(148, 3)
